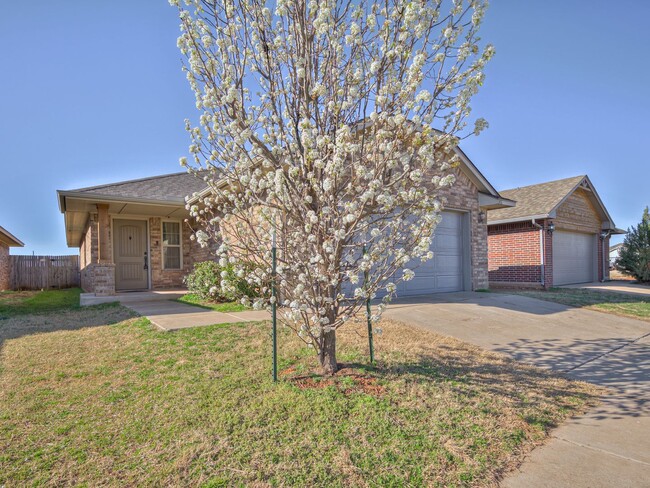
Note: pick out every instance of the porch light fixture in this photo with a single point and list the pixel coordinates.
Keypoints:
(551, 228)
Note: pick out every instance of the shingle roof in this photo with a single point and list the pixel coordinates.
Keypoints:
(165, 188)
(535, 200)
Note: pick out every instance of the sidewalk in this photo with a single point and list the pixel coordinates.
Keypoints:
(169, 315)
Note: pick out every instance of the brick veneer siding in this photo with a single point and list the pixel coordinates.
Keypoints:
(514, 253)
(513, 248)
(168, 278)
(88, 255)
(100, 278)
(463, 196)
(4, 266)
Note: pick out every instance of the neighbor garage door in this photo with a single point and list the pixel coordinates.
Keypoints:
(574, 257)
(446, 271)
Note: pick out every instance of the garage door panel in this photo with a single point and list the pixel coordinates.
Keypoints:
(449, 283)
(574, 258)
(445, 272)
(448, 265)
(418, 285)
(447, 242)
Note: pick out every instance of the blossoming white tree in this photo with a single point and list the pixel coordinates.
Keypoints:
(317, 124)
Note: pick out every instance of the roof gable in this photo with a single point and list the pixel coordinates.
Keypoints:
(543, 200)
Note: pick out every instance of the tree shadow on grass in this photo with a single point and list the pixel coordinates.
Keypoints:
(526, 389)
(71, 319)
(623, 374)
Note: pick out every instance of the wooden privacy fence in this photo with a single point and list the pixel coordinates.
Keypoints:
(43, 272)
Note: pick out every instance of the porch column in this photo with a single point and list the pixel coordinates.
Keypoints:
(103, 275)
(103, 224)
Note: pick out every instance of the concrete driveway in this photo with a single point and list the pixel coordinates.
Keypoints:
(609, 446)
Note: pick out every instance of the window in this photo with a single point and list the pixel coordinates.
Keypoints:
(171, 245)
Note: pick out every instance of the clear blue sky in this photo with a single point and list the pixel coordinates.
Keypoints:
(92, 92)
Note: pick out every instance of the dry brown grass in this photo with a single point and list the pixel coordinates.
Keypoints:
(85, 403)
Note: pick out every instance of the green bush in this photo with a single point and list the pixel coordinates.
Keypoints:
(634, 258)
(211, 281)
(204, 280)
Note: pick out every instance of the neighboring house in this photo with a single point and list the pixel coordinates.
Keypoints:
(557, 234)
(132, 235)
(614, 253)
(7, 240)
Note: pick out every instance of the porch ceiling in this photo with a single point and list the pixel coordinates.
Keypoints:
(77, 211)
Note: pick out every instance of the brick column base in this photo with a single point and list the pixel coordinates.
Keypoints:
(101, 278)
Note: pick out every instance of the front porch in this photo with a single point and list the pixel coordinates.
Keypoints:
(123, 252)
(133, 235)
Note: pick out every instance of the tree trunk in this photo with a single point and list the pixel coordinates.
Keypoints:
(327, 356)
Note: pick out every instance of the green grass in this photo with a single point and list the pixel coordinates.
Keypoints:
(193, 299)
(14, 303)
(626, 305)
(83, 403)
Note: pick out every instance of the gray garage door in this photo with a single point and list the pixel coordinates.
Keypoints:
(445, 272)
(574, 257)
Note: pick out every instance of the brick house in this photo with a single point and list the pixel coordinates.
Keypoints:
(134, 235)
(7, 240)
(557, 234)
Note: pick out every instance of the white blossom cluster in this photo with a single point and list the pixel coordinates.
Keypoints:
(316, 124)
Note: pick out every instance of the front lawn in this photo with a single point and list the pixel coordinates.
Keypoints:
(125, 404)
(13, 303)
(626, 305)
(194, 299)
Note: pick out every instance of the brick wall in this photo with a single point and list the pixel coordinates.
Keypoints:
(4, 266)
(513, 249)
(463, 195)
(88, 255)
(168, 278)
(514, 253)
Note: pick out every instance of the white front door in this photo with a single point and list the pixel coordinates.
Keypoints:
(130, 254)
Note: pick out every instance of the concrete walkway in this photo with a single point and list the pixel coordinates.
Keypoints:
(615, 286)
(607, 447)
(170, 315)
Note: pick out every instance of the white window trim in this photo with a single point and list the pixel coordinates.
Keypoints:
(162, 244)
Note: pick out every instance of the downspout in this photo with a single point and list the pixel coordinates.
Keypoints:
(541, 250)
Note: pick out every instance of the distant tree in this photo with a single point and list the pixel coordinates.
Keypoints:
(634, 258)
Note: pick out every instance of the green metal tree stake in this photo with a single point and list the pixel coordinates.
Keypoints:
(365, 283)
(274, 307)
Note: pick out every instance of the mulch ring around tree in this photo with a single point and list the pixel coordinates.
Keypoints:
(347, 380)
